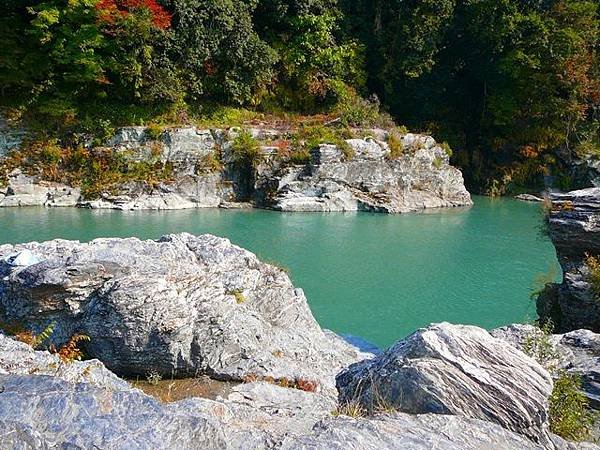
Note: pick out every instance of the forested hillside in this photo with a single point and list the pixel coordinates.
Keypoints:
(513, 85)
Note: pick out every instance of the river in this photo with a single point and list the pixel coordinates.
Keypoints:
(371, 275)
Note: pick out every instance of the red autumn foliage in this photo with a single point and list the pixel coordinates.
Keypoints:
(109, 10)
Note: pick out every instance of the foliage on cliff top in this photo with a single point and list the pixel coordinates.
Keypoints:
(96, 170)
(513, 86)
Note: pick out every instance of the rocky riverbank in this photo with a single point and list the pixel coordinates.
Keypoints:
(574, 227)
(371, 172)
(200, 306)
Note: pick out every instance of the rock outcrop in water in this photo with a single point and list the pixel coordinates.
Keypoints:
(205, 174)
(454, 369)
(181, 305)
(574, 226)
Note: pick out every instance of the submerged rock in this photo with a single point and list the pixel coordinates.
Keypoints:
(574, 227)
(458, 370)
(181, 304)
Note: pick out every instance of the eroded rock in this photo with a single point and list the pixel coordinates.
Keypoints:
(181, 304)
(574, 226)
(458, 370)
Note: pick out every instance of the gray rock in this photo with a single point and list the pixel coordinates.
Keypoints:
(11, 136)
(418, 432)
(576, 352)
(369, 180)
(25, 190)
(459, 370)
(45, 402)
(17, 358)
(180, 304)
(529, 198)
(574, 225)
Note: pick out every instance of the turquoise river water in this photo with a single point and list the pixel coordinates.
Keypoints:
(375, 276)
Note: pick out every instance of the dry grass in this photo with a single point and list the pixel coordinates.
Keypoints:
(168, 391)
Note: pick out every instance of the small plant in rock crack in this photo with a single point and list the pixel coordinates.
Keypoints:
(154, 377)
(351, 409)
(70, 351)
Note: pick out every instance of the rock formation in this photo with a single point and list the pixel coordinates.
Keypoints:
(576, 352)
(44, 405)
(574, 227)
(454, 369)
(205, 174)
(181, 305)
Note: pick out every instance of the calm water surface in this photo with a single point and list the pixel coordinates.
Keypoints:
(371, 275)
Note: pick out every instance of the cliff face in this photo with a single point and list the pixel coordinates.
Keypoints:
(574, 225)
(205, 173)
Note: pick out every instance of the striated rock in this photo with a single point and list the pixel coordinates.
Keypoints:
(529, 198)
(574, 226)
(43, 412)
(458, 370)
(418, 432)
(576, 352)
(181, 304)
(17, 358)
(369, 180)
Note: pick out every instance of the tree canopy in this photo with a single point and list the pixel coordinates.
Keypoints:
(514, 85)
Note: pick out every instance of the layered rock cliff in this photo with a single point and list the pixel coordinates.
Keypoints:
(574, 227)
(363, 175)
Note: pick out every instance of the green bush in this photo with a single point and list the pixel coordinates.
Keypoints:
(154, 132)
(446, 147)
(395, 144)
(300, 157)
(569, 412)
(246, 150)
(593, 265)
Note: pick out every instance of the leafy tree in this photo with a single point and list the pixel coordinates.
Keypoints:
(219, 52)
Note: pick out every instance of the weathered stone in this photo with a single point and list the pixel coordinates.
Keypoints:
(529, 198)
(576, 352)
(25, 190)
(17, 358)
(369, 180)
(459, 370)
(418, 432)
(574, 225)
(180, 304)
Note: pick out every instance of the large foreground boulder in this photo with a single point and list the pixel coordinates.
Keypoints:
(181, 305)
(399, 431)
(454, 369)
(574, 227)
